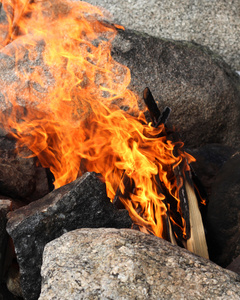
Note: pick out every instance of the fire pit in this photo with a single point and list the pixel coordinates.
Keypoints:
(78, 126)
(76, 115)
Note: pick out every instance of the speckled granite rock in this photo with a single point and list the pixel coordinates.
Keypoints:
(200, 88)
(126, 264)
(82, 203)
(214, 23)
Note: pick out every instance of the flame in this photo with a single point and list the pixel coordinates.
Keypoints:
(74, 123)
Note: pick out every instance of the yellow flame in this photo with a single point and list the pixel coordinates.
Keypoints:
(77, 124)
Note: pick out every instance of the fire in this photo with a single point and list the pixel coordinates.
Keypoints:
(74, 123)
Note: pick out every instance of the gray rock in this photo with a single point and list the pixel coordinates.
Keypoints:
(20, 178)
(223, 217)
(82, 203)
(126, 264)
(200, 88)
(214, 23)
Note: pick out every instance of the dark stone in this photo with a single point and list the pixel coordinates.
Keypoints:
(80, 204)
(6, 295)
(5, 207)
(13, 281)
(223, 217)
(209, 160)
(200, 88)
(20, 177)
(235, 265)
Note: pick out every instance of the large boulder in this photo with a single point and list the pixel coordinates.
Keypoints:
(202, 90)
(126, 264)
(213, 23)
(82, 203)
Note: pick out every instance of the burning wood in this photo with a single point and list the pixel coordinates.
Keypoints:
(157, 118)
(197, 241)
(79, 127)
(193, 237)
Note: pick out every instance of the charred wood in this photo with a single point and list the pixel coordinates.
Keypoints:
(183, 218)
(157, 117)
(151, 105)
(184, 202)
(171, 203)
(164, 116)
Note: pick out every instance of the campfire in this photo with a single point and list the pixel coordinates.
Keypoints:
(90, 121)
(87, 120)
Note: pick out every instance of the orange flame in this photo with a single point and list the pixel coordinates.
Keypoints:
(74, 123)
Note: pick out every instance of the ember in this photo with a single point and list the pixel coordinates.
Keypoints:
(89, 120)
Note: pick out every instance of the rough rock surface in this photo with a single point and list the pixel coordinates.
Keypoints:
(82, 203)
(20, 178)
(199, 87)
(214, 23)
(223, 218)
(126, 264)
